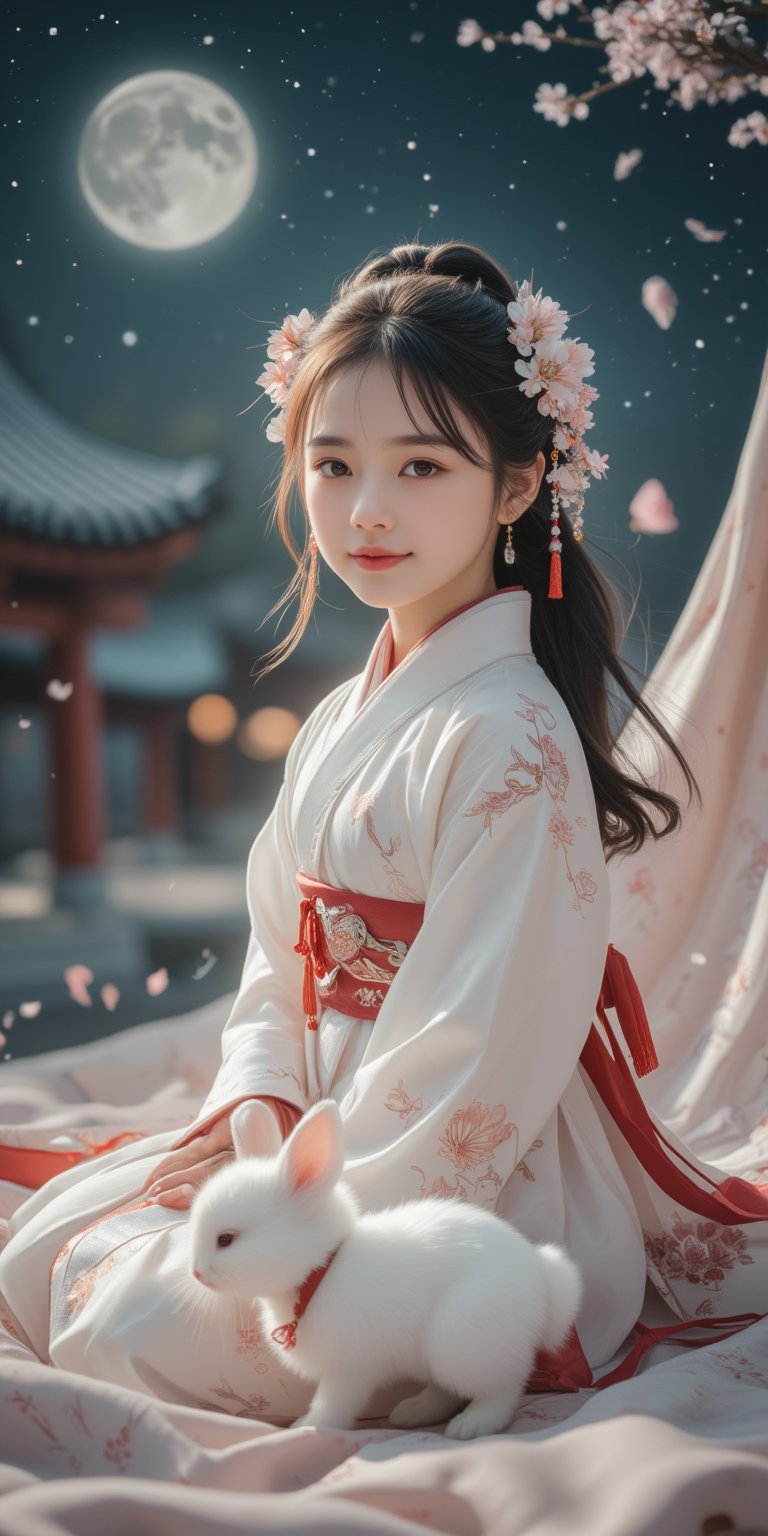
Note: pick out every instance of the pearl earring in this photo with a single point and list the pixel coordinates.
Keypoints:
(509, 553)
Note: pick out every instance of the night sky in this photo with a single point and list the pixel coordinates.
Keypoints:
(355, 83)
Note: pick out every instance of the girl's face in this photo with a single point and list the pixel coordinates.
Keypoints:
(365, 485)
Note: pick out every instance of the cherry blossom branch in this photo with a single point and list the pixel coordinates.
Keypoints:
(697, 45)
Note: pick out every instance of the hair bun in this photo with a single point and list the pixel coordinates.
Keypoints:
(453, 258)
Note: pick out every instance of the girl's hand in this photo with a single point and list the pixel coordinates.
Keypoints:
(177, 1176)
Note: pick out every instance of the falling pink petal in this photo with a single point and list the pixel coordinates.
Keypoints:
(8, 1019)
(2, 1038)
(110, 996)
(651, 510)
(29, 1010)
(625, 164)
(157, 982)
(660, 301)
(24, 724)
(701, 232)
(58, 690)
(78, 979)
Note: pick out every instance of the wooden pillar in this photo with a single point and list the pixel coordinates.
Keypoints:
(76, 734)
(159, 811)
(210, 775)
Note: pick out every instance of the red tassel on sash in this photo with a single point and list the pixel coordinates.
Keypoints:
(620, 991)
(314, 964)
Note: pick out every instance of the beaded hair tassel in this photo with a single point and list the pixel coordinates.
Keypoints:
(556, 371)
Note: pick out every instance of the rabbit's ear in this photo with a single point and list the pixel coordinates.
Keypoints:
(255, 1131)
(313, 1155)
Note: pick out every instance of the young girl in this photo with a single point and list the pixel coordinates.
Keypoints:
(429, 900)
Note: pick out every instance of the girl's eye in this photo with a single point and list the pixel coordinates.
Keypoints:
(428, 463)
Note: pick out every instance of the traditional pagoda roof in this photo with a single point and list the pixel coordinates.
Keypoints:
(61, 485)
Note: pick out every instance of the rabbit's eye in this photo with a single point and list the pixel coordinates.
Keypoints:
(224, 1239)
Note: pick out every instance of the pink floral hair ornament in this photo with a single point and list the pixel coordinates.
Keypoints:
(553, 367)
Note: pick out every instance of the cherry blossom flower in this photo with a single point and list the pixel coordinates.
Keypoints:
(283, 347)
(469, 32)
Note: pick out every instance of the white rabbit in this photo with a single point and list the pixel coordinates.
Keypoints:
(428, 1290)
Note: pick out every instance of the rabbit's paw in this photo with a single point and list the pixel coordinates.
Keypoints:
(483, 1416)
(428, 1407)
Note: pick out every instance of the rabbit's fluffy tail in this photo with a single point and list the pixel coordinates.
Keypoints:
(562, 1284)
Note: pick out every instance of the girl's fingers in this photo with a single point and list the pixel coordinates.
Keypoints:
(178, 1162)
(179, 1198)
(217, 1139)
(163, 1170)
(192, 1175)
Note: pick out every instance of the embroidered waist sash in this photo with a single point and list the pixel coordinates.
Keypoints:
(354, 945)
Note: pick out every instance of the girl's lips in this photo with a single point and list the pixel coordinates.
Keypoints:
(377, 562)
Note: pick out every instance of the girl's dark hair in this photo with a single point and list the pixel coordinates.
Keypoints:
(434, 314)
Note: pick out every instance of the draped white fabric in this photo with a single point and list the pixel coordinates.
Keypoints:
(692, 910)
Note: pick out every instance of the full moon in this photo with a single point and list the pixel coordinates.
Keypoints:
(167, 160)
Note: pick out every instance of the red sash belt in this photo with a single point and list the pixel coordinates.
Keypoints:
(350, 963)
(353, 946)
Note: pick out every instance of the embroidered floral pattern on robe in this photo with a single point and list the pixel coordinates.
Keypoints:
(697, 1251)
(79, 1293)
(522, 1166)
(116, 1450)
(247, 1407)
(403, 1105)
(552, 773)
(398, 885)
(471, 1136)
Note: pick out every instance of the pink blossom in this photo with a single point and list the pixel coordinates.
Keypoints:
(549, 9)
(532, 36)
(534, 318)
(749, 130)
(469, 32)
(551, 101)
(283, 348)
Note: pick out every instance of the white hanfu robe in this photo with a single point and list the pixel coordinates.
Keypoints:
(457, 780)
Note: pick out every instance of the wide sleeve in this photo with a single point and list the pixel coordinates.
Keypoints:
(262, 1041)
(482, 1028)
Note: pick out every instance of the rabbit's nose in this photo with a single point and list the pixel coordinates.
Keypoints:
(196, 1274)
